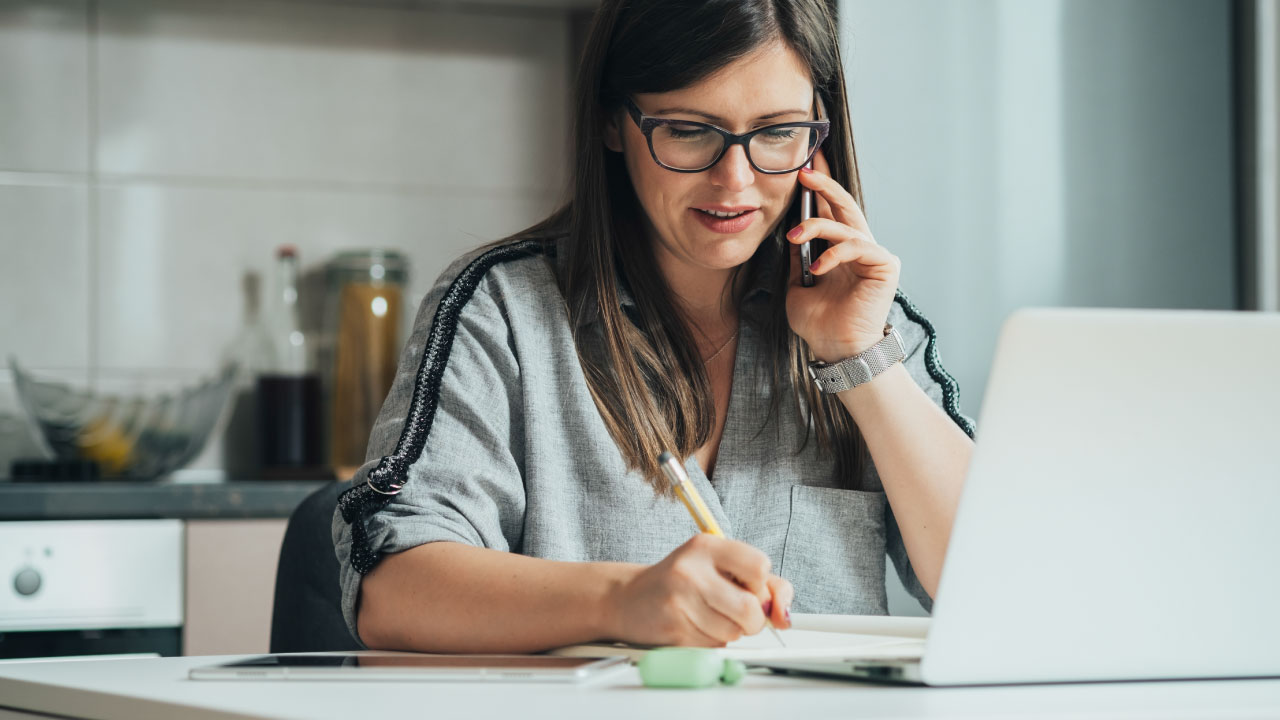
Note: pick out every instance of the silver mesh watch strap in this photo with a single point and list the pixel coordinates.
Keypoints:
(860, 368)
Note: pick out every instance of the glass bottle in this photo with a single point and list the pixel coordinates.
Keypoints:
(251, 351)
(290, 417)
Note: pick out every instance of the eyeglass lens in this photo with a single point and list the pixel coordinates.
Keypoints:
(689, 147)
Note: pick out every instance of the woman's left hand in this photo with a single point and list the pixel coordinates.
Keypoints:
(845, 311)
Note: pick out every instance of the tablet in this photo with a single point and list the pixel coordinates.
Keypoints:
(412, 667)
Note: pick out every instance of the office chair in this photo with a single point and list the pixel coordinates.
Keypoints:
(307, 613)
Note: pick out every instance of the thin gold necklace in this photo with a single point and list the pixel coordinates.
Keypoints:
(716, 354)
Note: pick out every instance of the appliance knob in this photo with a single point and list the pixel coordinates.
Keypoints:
(27, 581)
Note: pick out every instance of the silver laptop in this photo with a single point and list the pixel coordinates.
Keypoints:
(1121, 515)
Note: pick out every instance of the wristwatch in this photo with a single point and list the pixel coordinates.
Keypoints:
(861, 368)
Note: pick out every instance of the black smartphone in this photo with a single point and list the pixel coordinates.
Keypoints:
(806, 252)
(810, 249)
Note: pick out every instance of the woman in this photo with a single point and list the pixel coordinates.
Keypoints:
(513, 501)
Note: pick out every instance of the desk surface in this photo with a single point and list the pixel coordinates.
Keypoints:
(152, 688)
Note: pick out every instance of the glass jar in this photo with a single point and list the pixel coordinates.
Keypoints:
(363, 311)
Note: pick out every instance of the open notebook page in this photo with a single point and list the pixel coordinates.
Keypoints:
(875, 641)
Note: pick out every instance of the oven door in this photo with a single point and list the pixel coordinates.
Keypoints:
(91, 587)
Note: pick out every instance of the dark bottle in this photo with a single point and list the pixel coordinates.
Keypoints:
(290, 417)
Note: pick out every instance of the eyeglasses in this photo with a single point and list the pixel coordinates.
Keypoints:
(689, 147)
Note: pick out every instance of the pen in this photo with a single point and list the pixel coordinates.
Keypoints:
(702, 516)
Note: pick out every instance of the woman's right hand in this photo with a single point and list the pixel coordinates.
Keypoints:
(707, 592)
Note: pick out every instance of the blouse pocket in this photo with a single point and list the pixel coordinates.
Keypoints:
(835, 551)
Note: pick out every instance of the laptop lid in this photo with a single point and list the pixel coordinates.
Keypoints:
(1119, 517)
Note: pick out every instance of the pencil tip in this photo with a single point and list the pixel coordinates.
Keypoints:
(777, 635)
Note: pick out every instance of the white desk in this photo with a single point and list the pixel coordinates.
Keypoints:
(154, 688)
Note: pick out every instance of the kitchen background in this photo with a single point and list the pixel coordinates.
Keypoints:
(154, 154)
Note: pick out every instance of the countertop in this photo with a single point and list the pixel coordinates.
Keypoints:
(125, 500)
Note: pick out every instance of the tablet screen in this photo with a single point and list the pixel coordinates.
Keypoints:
(502, 662)
(409, 666)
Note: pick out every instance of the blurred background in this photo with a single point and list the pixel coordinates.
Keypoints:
(170, 169)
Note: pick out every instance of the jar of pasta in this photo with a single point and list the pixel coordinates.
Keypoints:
(363, 308)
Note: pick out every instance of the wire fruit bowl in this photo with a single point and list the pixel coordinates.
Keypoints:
(129, 436)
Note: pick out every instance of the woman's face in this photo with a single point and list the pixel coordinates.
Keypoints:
(769, 86)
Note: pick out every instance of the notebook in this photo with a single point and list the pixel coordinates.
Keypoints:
(810, 637)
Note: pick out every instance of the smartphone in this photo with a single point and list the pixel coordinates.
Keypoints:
(810, 249)
(806, 252)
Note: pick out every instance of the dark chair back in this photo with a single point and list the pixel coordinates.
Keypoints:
(307, 613)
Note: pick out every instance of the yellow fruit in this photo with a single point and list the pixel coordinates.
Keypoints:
(103, 442)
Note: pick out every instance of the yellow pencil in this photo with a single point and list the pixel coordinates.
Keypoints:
(702, 516)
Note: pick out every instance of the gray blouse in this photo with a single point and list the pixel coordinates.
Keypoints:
(490, 437)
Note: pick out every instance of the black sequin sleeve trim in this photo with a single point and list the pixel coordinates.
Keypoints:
(363, 500)
(950, 388)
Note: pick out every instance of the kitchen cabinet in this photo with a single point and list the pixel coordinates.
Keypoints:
(230, 584)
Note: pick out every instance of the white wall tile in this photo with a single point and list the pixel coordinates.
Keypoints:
(173, 259)
(44, 276)
(43, 85)
(340, 94)
(227, 128)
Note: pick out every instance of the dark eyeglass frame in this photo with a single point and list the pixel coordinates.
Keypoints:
(648, 123)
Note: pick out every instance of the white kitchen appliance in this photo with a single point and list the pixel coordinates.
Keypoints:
(91, 587)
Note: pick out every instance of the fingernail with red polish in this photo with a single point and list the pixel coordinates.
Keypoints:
(787, 614)
(813, 266)
(806, 169)
(768, 608)
(795, 233)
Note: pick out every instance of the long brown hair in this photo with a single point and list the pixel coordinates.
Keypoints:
(643, 369)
